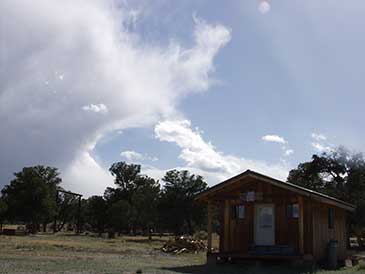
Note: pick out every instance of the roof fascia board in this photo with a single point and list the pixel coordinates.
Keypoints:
(297, 189)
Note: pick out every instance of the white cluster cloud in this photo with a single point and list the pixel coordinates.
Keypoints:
(134, 156)
(280, 140)
(99, 108)
(89, 43)
(264, 6)
(274, 138)
(202, 157)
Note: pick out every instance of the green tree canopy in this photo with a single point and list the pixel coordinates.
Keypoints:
(119, 215)
(144, 201)
(67, 210)
(125, 174)
(3, 211)
(340, 174)
(30, 196)
(139, 191)
(96, 213)
(179, 212)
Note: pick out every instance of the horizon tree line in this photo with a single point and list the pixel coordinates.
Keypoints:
(137, 202)
(140, 204)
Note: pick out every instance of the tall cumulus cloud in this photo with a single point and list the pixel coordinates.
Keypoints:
(57, 57)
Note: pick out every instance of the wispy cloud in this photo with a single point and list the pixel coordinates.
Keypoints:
(98, 108)
(320, 143)
(318, 136)
(288, 152)
(202, 157)
(135, 156)
(322, 148)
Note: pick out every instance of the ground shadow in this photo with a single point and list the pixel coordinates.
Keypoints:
(241, 268)
(146, 240)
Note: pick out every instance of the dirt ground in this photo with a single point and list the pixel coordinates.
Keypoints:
(46, 253)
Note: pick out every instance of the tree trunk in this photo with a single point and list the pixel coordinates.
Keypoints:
(60, 226)
(111, 234)
(149, 233)
(190, 227)
(55, 225)
(33, 228)
(100, 229)
(45, 227)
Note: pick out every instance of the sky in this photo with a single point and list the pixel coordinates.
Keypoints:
(214, 87)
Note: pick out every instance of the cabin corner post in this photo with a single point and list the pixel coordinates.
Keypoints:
(209, 226)
(301, 225)
(226, 226)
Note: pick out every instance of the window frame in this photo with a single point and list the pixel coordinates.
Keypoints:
(235, 211)
(291, 209)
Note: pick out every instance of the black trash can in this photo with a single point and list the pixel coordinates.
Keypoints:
(332, 254)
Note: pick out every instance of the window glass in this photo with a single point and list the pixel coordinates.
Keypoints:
(241, 212)
(295, 211)
(238, 212)
(292, 211)
(250, 196)
(266, 217)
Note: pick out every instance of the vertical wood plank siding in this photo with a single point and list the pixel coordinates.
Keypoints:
(323, 234)
(238, 235)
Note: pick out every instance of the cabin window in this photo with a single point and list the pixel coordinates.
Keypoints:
(238, 212)
(331, 219)
(292, 211)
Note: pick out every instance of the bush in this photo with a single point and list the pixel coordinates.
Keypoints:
(201, 235)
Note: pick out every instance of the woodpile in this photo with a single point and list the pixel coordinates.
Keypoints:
(184, 244)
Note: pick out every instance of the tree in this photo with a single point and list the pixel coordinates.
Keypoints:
(119, 215)
(139, 191)
(96, 209)
(179, 212)
(3, 210)
(340, 174)
(144, 202)
(30, 196)
(307, 175)
(125, 175)
(67, 210)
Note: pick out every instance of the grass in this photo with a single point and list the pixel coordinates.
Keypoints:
(86, 254)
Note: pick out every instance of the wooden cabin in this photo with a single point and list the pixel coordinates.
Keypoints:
(264, 218)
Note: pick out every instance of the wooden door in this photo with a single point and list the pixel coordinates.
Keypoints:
(264, 224)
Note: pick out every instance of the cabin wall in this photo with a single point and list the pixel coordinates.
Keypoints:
(323, 234)
(308, 226)
(238, 235)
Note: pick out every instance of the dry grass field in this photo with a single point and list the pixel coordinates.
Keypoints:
(86, 254)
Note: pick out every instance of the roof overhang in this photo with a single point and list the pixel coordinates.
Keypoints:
(212, 191)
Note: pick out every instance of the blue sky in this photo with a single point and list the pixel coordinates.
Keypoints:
(212, 86)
